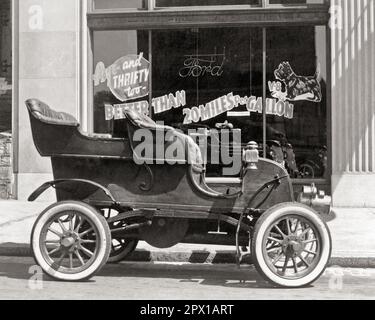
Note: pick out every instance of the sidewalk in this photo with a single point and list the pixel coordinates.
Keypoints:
(353, 236)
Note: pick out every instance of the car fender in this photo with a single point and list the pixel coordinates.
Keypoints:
(60, 183)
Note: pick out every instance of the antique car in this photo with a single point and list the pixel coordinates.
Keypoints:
(315, 164)
(110, 196)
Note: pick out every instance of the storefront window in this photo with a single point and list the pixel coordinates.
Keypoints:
(209, 65)
(291, 2)
(143, 4)
(187, 3)
(120, 4)
(269, 84)
(296, 59)
(110, 47)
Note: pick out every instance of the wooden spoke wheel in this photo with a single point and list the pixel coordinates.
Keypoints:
(291, 245)
(121, 248)
(71, 241)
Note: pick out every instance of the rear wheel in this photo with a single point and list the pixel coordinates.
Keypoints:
(291, 245)
(121, 247)
(63, 248)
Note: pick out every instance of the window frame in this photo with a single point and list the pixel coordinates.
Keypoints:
(184, 17)
(264, 16)
(150, 5)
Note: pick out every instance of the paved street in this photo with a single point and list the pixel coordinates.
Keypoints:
(171, 281)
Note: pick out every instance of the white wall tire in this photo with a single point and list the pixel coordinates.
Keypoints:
(66, 220)
(286, 257)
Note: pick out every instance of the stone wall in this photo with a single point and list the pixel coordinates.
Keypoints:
(47, 33)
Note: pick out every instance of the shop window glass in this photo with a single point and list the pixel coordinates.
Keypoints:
(293, 2)
(298, 55)
(109, 47)
(209, 64)
(142, 4)
(187, 3)
(195, 61)
(120, 4)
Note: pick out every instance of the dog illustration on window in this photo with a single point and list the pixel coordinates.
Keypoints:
(297, 87)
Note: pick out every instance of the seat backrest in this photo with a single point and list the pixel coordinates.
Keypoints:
(43, 112)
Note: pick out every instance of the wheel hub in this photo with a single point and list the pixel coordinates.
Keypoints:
(70, 240)
(292, 246)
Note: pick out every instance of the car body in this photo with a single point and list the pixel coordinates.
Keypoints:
(110, 196)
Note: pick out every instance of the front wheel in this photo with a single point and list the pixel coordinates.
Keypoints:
(291, 245)
(71, 241)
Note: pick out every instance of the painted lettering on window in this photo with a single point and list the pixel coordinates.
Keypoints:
(199, 65)
(127, 78)
(159, 104)
(229, 102)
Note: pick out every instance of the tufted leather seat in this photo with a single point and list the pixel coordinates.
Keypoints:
(44, 113)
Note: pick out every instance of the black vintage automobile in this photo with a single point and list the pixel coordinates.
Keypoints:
(108, 200)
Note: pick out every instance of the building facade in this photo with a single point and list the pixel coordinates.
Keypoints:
(297, 75)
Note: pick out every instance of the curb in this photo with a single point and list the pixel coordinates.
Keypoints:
(194, 256)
